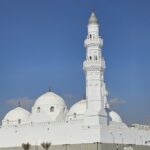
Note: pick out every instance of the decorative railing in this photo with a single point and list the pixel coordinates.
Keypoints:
(93, 41)
(92, 64)
(141, 127)
(44, 123)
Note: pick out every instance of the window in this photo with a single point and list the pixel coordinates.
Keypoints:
(52, 109)
(19, 121)
(90, 57)
(7, 121)
(75, 115)
(95, 57)
(90, 36)
(38, 109)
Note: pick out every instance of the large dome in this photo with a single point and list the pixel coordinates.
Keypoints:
(48, 107)
(49, 98)
(16, 116)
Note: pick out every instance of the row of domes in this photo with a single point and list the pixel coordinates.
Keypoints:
(50, 107)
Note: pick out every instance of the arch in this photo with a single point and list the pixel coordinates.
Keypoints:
(64, 109)
(90, 57)
(52, 109)
(38, 109)
(75, 115)
(7, 121)
(19, 121)
(90, 35)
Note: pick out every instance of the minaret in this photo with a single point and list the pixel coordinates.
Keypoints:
(94, 66)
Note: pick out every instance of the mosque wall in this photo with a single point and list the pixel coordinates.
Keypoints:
(70, 133)
(94, 146)
(91, 129)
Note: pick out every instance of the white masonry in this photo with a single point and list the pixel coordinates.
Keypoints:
(94, 67)
(88, 121)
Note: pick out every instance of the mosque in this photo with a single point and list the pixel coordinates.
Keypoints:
(90, 124)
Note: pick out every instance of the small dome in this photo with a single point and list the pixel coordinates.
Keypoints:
(15, 115)
(78, 108)
(93, 19)
(77, 111)
(115, 117)
(49, 98)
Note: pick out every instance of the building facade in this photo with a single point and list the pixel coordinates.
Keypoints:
(88, 124)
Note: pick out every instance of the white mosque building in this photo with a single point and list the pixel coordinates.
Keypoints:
(90, 124)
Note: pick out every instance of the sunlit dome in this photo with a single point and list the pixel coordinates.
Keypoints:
(49, 98)
(78, 108)
(77, 111)
(48, 107)
(115, 117)
(15, 115)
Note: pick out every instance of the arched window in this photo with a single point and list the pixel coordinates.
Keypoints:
(19, 121)
(52, 109)
(64, 109)
(7, 121)
(75, 115)
(38, 109)
(95, 57)
(90, 36)
(90, 57)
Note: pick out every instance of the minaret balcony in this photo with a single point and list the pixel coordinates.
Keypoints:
(93, 41)
(94, 65)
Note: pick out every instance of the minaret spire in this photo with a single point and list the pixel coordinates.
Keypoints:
(93, 19)
(93, 67)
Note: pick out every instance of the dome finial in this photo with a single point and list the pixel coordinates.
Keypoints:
(93, 10)
(49, 89)
(19, 103)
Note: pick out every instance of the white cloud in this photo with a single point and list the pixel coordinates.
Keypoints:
(116, 101)
(69, 96)
(70, 99)
(24, 102)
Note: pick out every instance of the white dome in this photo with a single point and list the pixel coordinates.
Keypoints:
(77, 111)
(78, 108)
(50, 105)
(49, 98)
(15, 115)
(115, 117)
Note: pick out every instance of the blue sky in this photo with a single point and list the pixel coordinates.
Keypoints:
(41, 46)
